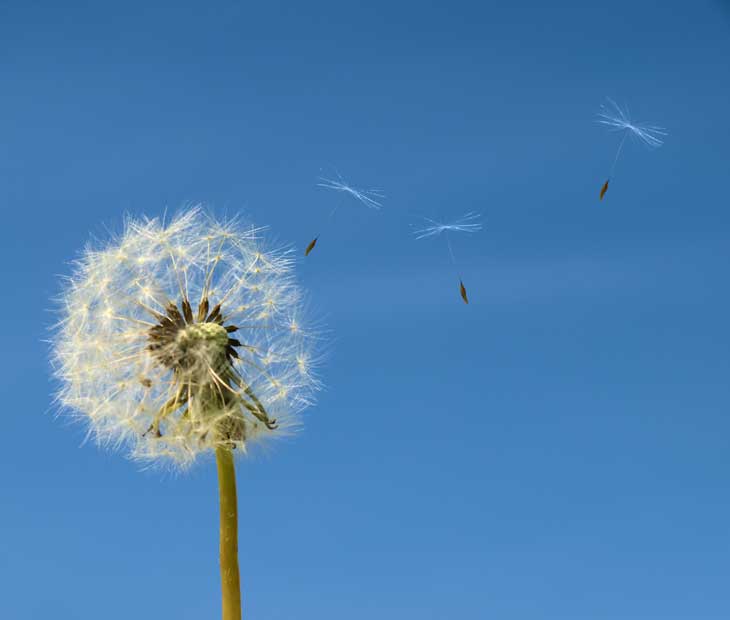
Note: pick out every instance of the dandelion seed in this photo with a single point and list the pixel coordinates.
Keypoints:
(368, 197)
(604, 189)
(310, 247)
(365, 196)
(462, 290)
(619, 120)
(160, 343)
(467, 223)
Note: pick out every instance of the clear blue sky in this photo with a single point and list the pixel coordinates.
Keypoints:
(558, 449)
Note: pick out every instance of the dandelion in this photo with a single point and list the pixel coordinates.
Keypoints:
(368, 197)
(467, 223)
(619, 120)
(182, 339)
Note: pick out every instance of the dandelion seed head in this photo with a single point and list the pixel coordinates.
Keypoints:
(467, 223)
(369, 197)
(618, 119)
(177, 338)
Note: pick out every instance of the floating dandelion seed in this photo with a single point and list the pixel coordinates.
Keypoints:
(619, 120)
(368, 197)
(365, 196)
(181, 339)
(467, 223)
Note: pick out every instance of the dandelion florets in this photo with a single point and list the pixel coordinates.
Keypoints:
(180, 338)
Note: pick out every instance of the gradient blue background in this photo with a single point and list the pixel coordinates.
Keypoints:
(556, 450)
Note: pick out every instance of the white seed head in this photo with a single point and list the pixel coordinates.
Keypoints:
(178, 338)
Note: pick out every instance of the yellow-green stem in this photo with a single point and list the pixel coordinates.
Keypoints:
(230, 580)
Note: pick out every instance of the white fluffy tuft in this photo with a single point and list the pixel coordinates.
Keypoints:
(113, 380)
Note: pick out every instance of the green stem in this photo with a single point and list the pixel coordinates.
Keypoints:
(230, 580)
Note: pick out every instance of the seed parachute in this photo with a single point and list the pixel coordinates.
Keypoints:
(467, 223)
(368, 197)
(619, 120)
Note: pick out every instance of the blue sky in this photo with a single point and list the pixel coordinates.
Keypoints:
(556, 450)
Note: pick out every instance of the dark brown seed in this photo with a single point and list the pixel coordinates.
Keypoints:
(175, 315)
(310, 247)
(231, 328)
(462, 290)
(214, 313)
(604, 189)
(203, 310)
(188, 311)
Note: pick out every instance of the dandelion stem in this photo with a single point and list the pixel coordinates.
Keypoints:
(230, 580)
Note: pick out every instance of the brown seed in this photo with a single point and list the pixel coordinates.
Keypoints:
(214, 313)
(604, 189)
(203, 309)
(310, 247)
(188, 311)
(462, 290)
(175, 315)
